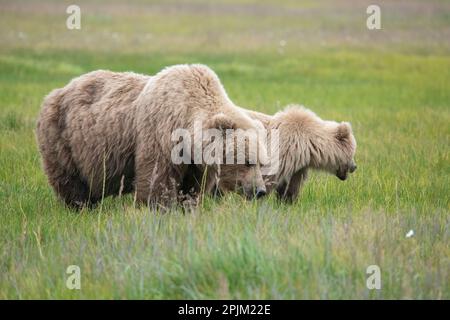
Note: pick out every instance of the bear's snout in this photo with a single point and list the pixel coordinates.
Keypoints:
(342, 175)
(260, 192)
(255, 192)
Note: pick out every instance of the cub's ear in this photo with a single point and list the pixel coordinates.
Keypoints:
(222, 122)
(344, 131)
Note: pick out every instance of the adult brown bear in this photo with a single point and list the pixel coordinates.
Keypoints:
(107, 133)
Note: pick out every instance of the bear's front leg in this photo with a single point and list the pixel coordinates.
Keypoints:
(157, 183)
(200, 179)
(289, 191)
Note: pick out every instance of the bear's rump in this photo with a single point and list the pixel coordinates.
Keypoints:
(99, 129)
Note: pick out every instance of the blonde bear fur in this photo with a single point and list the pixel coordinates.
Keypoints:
(306, 142)
(108, 133)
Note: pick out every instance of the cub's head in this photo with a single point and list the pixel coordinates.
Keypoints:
(309, 141)
(345, 142)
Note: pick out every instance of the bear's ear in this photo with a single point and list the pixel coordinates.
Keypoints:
(222, 122)
(344, 131)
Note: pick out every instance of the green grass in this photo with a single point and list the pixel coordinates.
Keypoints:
(394, 87)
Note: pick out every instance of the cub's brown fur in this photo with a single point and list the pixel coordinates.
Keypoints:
(306, 142)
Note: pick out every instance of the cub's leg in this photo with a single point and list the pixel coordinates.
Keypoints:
(289, 191)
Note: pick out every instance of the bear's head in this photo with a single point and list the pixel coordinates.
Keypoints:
(243, 152)
(344, 160)
(307, 141)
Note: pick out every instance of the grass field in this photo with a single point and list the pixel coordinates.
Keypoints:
(393, 85)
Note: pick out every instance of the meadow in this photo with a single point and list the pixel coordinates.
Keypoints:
(392, 84)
